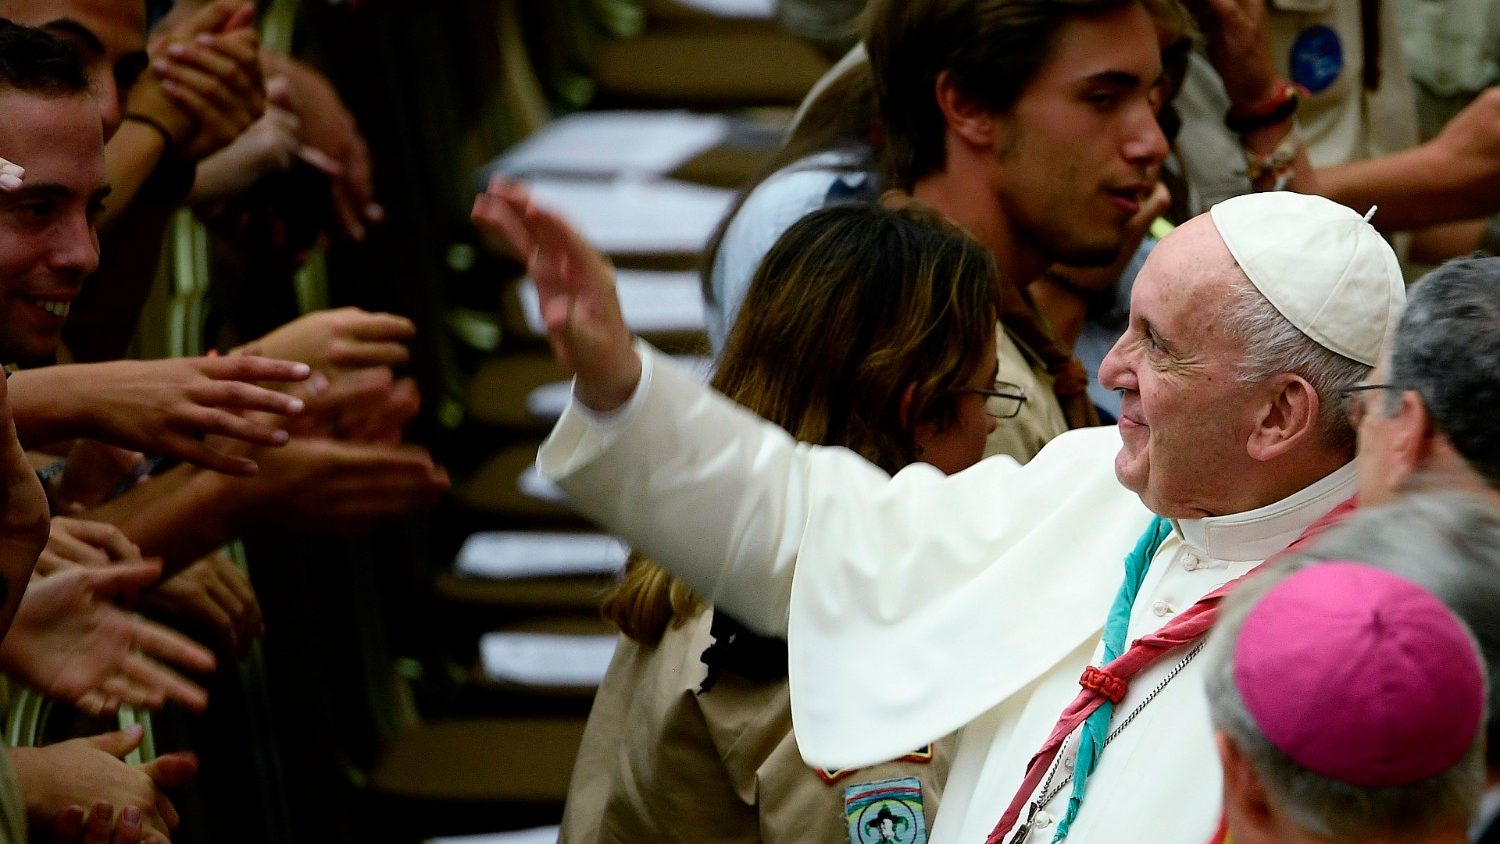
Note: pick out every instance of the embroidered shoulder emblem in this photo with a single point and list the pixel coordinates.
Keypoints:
(886, 812)
(921, 756)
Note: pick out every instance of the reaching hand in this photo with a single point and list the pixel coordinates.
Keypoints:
(208, 67)
(165, 406)
(575, 285)
(213, 596)
(345, 338)
(70, 641)
(332, 143)
(72, 543)
(268, 147)
(1238, 47)
(95, 472)
(322, 484)
(59, 779)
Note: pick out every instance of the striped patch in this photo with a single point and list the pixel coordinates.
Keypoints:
(886, 812)
(833, 775)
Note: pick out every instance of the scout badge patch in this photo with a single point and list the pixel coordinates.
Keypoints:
(886, 812)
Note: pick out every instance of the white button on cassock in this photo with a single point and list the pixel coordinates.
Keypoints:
(1162, 608)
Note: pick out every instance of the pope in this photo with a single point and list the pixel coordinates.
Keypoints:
(1053, 612)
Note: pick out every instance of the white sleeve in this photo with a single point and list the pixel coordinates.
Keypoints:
(972, 585)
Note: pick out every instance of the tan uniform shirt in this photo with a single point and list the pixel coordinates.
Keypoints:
(662, 763)
(1040, 419)
(1319, 43)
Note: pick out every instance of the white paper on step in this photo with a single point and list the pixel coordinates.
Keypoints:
(539, 835)
(631, 216)
(509, 555)
(612, 143)
(546, 659)
(733, 8)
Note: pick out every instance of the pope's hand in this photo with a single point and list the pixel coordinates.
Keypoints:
(575, 285)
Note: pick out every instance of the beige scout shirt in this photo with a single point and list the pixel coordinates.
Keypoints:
(660, 762)
(994, 581)
(1340, 123)
(1041, 418)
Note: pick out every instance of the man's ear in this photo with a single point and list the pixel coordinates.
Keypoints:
(966, 119)
(1293, 413)
(1246, 804)
(1410, 438)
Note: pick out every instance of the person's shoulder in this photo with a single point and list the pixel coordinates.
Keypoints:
(800, 187)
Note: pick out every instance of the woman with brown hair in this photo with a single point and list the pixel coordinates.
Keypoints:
(863, 327)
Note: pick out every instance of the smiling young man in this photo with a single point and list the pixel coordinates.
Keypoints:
(47, 241)
(1001, 587)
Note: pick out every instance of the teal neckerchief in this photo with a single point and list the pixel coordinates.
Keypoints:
(1093, 732)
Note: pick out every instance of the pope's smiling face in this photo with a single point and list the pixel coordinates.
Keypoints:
(1185, 415)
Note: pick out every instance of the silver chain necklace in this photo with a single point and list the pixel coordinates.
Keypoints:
(1050, 792)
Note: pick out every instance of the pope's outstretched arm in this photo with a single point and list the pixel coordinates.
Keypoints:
(883, 566)
(619, 474)
(576, 288)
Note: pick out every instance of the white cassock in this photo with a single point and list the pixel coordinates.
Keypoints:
(919, 604)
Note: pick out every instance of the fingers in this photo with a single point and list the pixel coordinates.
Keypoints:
(362, 353)
(128, 829)
(67, 826)
(119, 742)
(99, 537)
(212, 420)
(252, 623)
(166, 645)
(194, 452)
(381, 326)
(122, 584)
(11, 175)
(63, 543)
(151, 685)
(172, 770)
(496, 210)
(252, 368)
(97, 827)
(220, 16)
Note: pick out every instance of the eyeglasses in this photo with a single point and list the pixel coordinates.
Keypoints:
(1354, 403)
(1004, 401)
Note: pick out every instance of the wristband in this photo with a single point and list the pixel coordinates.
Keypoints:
(169, 144)
(1280, 162)
(1279, 107)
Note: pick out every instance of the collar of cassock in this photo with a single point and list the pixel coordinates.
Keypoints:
(1259, 533)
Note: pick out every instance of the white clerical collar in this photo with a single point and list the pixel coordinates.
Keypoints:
(1259, 533)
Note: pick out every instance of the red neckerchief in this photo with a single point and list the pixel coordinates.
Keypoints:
(1111, 681)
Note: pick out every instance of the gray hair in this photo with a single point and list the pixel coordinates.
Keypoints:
(1446, 543)
(1273, 346)
(1447, 349)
